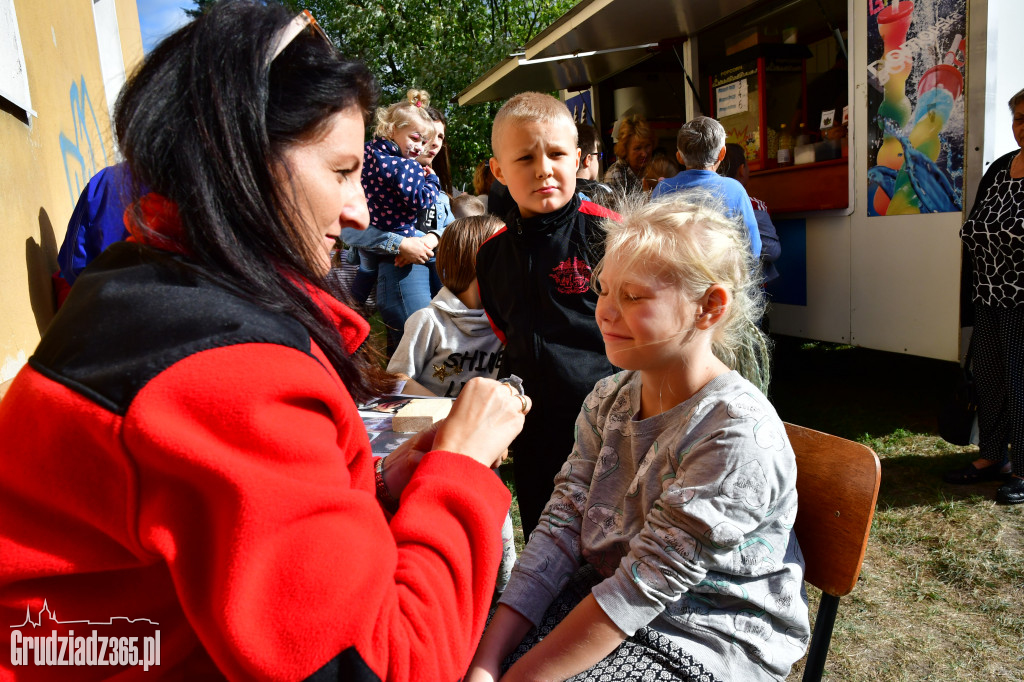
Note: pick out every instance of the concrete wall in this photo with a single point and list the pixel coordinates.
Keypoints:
(47, 160)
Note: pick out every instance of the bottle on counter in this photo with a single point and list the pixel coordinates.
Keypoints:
(784, 157)
(803, 135)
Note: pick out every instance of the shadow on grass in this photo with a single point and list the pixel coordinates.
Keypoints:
(853, 392)
(916, 480)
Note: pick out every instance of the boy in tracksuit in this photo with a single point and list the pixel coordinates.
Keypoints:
(534, 278)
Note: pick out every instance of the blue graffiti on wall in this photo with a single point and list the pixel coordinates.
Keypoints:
(79, 166)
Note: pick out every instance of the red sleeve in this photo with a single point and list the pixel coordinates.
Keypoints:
(264, 510)
(590, 208)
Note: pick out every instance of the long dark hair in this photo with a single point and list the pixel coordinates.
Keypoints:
(441, 164)
(203, 122)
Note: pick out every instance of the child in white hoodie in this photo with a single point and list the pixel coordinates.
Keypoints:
(451, 341)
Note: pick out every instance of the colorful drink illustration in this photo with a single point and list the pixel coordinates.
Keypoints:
(908, 176)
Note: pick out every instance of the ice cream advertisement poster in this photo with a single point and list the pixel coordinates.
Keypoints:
(916, 56)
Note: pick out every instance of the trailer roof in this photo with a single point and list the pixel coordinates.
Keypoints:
(595, 40)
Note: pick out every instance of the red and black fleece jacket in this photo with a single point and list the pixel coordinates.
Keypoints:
(175, 453)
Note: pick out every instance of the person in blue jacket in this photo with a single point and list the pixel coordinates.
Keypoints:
(701, 148)
(97, 221)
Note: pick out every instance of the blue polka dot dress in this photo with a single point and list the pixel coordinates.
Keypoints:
(396, 187)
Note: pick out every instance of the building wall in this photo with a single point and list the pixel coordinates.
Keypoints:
(47, 161)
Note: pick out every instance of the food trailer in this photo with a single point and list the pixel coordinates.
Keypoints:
(867, 126)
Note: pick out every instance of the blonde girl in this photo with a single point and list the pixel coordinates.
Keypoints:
(397, 188)
(667, 545)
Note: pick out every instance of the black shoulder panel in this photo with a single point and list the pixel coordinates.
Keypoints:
(135, 312)
(348, 666)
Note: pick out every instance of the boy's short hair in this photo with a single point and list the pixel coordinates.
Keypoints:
(700, 141)
(456, 252)
(587, 139)
(466, 205)
(530, 106)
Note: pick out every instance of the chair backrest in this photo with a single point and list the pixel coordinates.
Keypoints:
(837, 487)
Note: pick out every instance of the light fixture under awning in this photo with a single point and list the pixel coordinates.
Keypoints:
(560, 72)
(595, 40)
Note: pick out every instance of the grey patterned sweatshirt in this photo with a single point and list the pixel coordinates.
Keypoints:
(688, 515)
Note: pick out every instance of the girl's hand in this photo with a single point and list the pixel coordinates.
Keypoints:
(427, 170)
(399, 465)
(505, 632)
(483, 422)
(412, 250)
(479, 673)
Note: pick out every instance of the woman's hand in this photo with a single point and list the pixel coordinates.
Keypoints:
(413, 250)
(484, 420)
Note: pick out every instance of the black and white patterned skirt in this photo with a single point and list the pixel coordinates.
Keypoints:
(646, 656)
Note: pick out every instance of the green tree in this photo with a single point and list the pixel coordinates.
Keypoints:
(436, 45)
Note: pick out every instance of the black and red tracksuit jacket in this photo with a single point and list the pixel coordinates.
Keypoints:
(534, 280)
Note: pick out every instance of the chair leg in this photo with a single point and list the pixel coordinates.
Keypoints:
(821, 638)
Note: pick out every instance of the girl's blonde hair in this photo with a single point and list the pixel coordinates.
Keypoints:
(686, 239)
(413, 109)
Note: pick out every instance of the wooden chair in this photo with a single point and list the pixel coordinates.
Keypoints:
(837, 486)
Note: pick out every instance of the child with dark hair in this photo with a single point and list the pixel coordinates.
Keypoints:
(588, 177)
(735, 166)
(450, 341)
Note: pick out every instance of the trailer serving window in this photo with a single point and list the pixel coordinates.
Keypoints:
(778, 78)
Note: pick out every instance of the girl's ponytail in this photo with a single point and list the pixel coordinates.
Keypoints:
(400, 114)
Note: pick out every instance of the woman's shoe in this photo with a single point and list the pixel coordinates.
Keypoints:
(1011, 492)
(968, 474)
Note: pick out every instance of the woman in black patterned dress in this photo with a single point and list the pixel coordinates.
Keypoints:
(994, 236)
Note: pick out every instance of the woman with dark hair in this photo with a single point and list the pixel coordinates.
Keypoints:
(183, 451)
(437, 155)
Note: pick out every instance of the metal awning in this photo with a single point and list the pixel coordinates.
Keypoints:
(595, 40)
